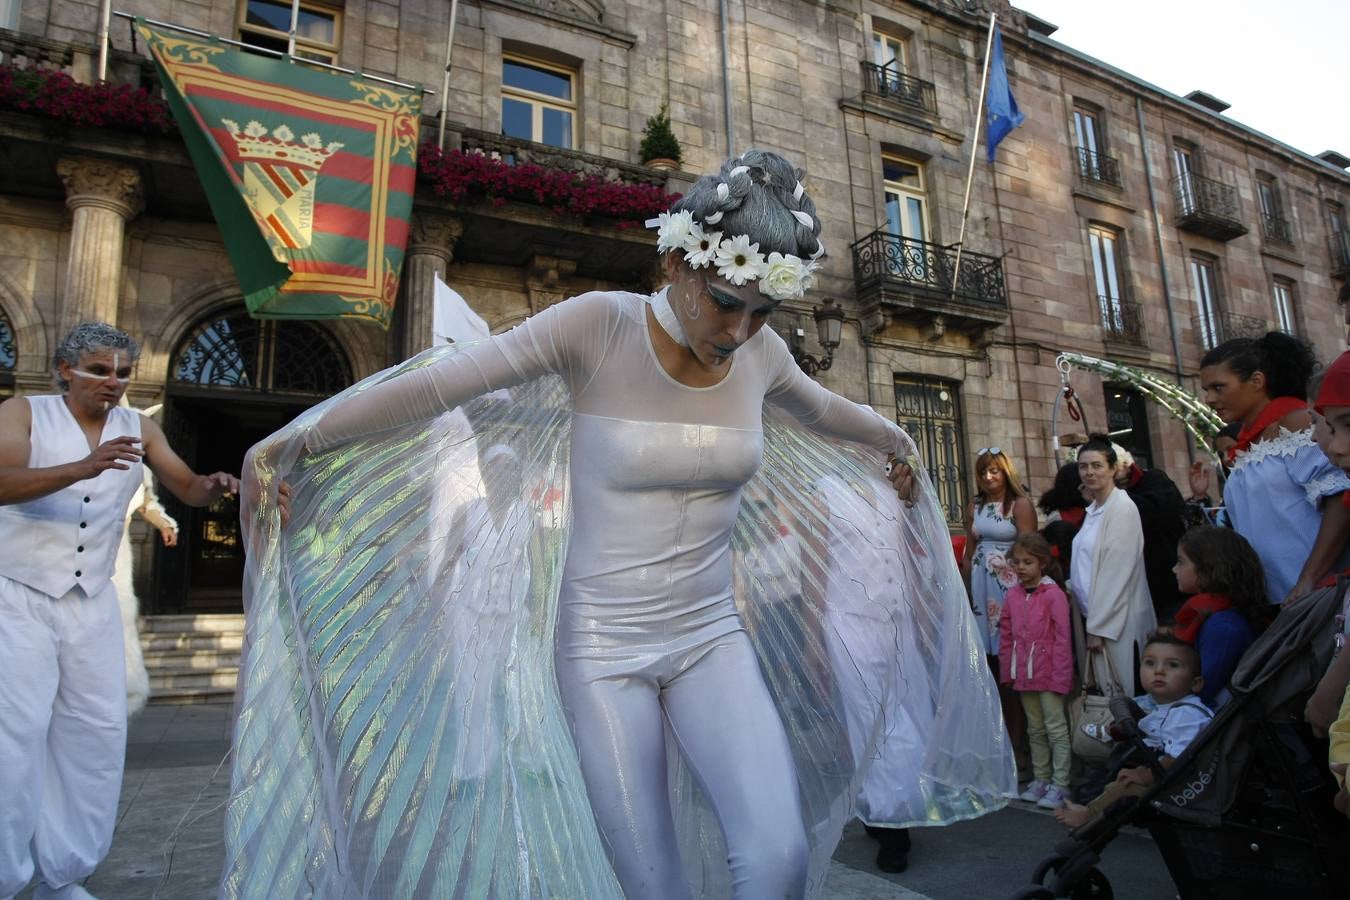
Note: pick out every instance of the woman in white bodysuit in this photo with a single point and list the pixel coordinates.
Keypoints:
(667, 396)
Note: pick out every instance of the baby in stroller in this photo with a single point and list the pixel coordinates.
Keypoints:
(1168, 718)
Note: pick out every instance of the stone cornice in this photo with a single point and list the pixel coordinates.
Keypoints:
(572, 20)
(863, 107)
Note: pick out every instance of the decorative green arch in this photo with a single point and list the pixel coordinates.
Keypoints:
(1184, 406)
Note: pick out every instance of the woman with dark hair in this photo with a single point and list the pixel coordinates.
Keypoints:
(1228, 606)
(1107, 577)
(1274, 496)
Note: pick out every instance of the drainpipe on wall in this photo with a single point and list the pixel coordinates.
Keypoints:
(1162, 257)
(726, 77)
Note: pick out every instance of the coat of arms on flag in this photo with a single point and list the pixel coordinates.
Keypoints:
(310, 174)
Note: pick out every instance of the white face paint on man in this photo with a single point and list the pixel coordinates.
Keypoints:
(100, 379)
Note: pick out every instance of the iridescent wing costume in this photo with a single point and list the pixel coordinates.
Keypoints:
(401, 730)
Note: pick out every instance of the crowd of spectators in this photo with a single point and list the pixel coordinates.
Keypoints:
(1166, 591)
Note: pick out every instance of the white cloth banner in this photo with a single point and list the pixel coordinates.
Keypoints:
(452, 319)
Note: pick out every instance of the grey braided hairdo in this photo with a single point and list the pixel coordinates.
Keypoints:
(90, 337)
(759, 202)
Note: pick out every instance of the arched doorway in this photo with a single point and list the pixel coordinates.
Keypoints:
(233, 380)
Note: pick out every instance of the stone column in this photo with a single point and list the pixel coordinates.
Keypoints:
(431, 247)
(103, 196)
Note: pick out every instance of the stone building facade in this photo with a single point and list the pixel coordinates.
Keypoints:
(1120, 220)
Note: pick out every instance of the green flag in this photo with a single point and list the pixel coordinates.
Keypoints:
(310, 174)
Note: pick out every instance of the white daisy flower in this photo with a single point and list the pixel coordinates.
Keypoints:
(738, 260)
(674, 230)
(701, 248)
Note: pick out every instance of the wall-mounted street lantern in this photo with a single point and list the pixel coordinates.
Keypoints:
(829, 328)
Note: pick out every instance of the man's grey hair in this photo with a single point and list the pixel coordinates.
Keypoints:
(90, 337)
(759, 202)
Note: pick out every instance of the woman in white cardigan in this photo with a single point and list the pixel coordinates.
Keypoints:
(1107, 575)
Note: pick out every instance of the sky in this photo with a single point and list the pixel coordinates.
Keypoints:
(1282, 66)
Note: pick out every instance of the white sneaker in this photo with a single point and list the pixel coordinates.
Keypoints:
(72, 891)
(1034, 792)
(1055, 797)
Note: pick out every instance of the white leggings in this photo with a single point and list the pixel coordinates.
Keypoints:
(728, 731)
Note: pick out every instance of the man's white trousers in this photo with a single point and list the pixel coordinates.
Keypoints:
(63, 731)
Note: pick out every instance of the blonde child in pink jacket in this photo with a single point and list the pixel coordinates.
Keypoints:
(1036, 658)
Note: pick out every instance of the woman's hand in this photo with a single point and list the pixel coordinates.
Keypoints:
(1094, 642)
(902, 479)
(284, 502)
(1200, 479)
(1301, 588)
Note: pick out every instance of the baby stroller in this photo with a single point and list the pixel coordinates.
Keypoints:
(1246, 811)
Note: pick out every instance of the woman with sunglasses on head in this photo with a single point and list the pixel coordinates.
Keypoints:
(1000, 511)
(642, 700)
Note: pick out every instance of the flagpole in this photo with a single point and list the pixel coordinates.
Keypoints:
(445, 80)
(974, 149)
(104, 25)
(295, 26)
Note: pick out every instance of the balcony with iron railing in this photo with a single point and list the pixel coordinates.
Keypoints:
(913, 278)
(1097, 168)
(1122, 321)
(1213, 329)
(1207, 207)
(892, 85)
(1339, 245)
(1277, 229)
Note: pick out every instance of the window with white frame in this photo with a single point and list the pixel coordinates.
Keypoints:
(267, 24)
(1104, 245)
(1274, 225)
(1282, 293)
(1205, 286)
(539, 102)
(906, 197)
(888, 50)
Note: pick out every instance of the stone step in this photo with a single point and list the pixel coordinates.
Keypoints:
(223, 677)
(193, 659)
(183, 696)
(221, 623)
(164, 642)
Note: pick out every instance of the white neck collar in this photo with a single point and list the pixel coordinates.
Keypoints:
(666, 318)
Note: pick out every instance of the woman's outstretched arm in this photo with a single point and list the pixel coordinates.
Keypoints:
(564, 340)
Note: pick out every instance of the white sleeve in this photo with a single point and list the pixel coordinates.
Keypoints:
(825, 412)
(566, 340)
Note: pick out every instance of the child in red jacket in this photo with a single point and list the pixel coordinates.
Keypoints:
(1036, 658)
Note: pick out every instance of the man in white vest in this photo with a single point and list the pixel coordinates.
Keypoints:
(69, 465)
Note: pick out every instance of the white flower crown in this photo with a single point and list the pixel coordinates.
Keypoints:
(781, 276)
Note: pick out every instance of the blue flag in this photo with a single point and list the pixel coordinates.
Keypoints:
(1004, 115)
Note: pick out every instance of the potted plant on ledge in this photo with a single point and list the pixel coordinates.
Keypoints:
(660, 148)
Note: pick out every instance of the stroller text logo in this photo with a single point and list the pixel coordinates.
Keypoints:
(1192, 790)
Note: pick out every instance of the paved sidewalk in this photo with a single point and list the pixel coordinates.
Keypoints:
(169, 844)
